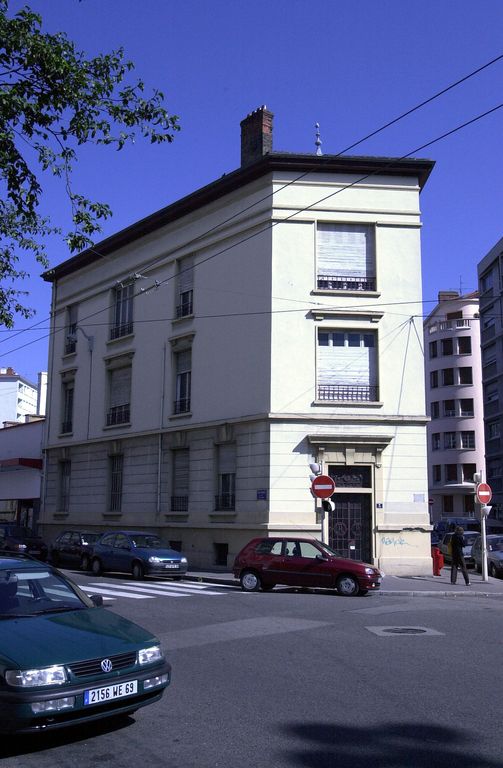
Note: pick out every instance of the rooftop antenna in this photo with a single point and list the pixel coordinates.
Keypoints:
(318, 140)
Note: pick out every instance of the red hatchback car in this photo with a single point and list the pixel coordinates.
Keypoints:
(265, 562)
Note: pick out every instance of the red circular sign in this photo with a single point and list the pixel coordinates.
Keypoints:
(484, 493)
(323, 486)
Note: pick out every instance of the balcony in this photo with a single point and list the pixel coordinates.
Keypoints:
(121, 329)
(119, 414)
(346, 283)
(348, 392)
(182, 405)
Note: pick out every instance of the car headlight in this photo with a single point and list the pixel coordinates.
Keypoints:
(148, 655)
(21, 546)
(370, 571)
(154, 559)
(29, 678)
(183, 560)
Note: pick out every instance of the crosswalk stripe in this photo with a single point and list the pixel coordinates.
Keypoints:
(156, 589)
(116, 593)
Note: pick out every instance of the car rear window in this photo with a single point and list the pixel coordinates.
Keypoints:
(269, 547)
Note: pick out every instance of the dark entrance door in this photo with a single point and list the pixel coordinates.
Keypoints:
(350, 525)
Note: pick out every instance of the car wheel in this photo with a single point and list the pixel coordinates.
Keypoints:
(137, 570)
(492, 570)
(347, 586)
(96, 567)
(250, 581)
(84, 563)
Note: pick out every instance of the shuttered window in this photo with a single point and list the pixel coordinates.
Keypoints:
(119, 411)
(122, 323)
(180, 485)
(185, 287)
(347, 365)
(183, 364)
(346, 257)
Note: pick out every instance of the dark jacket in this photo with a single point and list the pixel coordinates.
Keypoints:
(457, 544)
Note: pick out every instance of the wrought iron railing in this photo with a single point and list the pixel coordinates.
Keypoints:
(179, 503)
(119, 414)
(346, 283)
(225, 501)
(121, 329)
(185, 307)
(182, 405)
(353, 392)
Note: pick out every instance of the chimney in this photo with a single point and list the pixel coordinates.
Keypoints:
(256, 135)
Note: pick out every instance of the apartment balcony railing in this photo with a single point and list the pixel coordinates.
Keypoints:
(346, 283)
(185, 307)
(121, 329)
(119, 414)
(348, 392)
(226, 501)
(182, 405)
(179, 503)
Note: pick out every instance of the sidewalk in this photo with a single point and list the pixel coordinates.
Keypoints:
(406, 586)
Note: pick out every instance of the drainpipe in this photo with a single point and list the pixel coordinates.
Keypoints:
(159, 442)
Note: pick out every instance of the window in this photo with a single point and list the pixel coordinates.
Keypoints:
(464, 345)
(466, 406)
(180, 484)
(494, 467)
(467, 472)
(434, 379)
(115, 474)
(449, 440)
(489, 354)
(468, 440)
(447, 348)
(451, 473)
(437, 473)
(67, 398)
(226, 472)
(71, 329)
(433, 349)
(434, 410)
(221, 553)
(347, 366)
(449, 408)
(447, 377)
(435, 441)
(487, 281)
(491, 392)
(122, 321)
(183, 365)
(447, 505)
(345, 257)
(119, 410)
(64, 474)
(185, 287)
(493, 430)
(469, 505)
(465, 376)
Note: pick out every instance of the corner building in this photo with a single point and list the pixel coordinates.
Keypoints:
(201, 358)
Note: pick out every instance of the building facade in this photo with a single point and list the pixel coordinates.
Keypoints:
(19, 398)
(453, 373)
(490, 274)
(21, 472)
(203, 357)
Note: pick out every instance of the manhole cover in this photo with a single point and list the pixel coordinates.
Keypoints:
(404, 631)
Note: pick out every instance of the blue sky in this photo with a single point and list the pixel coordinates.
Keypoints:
(350, 66)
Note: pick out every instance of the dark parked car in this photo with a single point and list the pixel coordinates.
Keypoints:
(73, 548)
(469, 537)
(136, 552)
(265, 562)
(64, 659)
(17, 538)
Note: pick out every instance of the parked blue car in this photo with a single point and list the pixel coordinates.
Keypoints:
(138, 553)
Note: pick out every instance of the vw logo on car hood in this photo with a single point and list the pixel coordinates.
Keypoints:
(106, 665)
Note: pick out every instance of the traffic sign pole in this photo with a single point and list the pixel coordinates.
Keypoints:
(483, 494)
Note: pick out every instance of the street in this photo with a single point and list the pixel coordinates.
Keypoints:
(300, 679)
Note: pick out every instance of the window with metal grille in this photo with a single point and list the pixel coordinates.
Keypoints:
(71, 329)
(185, 287)
(226, 472)
(115, 469)
(119, 409)
(64, 476)
(183, 373)
(67, 420)
(345, 255)
(122, 320)
(347, 366)
(180, 482)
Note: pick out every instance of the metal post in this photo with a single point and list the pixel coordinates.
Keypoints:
(485, 576)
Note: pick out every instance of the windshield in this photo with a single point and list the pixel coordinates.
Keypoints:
(149, 542)
(495, 545)
(32, 592)
(90, 538)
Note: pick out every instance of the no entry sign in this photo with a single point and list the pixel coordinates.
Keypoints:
(484, 493)
(323, 486)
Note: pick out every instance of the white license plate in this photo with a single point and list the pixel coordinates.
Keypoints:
(171, 565)
(109, 692)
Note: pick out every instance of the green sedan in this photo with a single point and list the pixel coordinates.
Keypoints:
(64, 659)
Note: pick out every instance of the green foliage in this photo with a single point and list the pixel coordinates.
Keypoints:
(52, 100)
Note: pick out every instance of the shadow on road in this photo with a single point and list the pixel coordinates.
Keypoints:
(389, 745)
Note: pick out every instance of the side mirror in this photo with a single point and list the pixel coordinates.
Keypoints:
(97, 600)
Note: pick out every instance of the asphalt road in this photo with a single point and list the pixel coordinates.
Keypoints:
(298, 679)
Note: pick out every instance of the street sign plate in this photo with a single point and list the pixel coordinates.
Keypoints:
(484, 493)
(323, 486)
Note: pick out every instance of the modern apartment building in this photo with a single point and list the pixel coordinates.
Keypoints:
(454, 403)
(19, 398)
(201, 359)
(490, 274)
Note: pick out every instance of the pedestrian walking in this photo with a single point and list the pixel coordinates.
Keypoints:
(457, 556)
